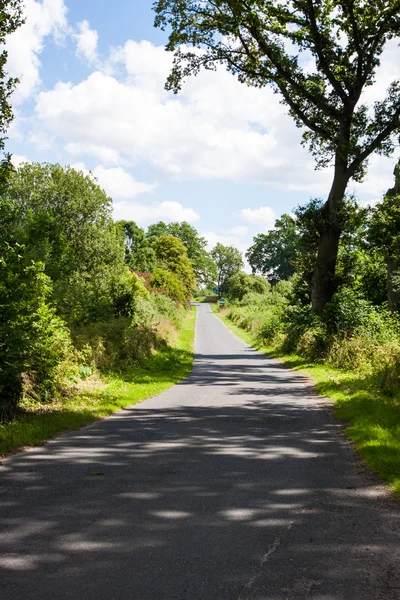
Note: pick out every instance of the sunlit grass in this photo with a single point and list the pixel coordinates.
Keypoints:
(99, 398)
(372, 418)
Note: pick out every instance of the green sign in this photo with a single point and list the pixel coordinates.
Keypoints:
(222, 300)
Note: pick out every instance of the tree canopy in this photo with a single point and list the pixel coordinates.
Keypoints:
(384, 235)
(139, 255)
(229, 261)
(203, 265)
(10, 20)
(273, 254)
(319, 56)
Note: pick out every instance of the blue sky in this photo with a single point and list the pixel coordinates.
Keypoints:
(220, 155)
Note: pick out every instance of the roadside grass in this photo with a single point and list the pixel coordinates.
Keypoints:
(372, 418)
(100, 397)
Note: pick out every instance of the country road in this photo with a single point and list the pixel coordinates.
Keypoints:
(235, 484)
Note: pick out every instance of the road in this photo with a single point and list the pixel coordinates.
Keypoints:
(235, 484)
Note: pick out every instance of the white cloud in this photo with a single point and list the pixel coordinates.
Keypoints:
(216, 128)
(214, 238)
(104, 154)
(86, 42)
(151, 213)
(18, 160)
(24, 46)
(120, 184)
(239, 231)
(264, 216)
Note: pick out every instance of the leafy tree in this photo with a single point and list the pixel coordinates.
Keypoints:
(240, 284)
(273, 254)
(229, 261)
(33, 340)
(263, 42)
(384, 235)
(10, 20)
(171, 255)
(203, 265)
(65, 221)
(310, 226)
(168, 283)
(139, 255)
(156, 230)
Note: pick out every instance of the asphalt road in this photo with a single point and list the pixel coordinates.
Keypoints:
(234, 485)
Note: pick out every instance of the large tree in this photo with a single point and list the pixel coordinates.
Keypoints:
(139, 255)
(319, 55)
(10, 20)
(171, 255)
(384, 235)
(203, 265)
(64, 219)
(273, 254)
(229, 261)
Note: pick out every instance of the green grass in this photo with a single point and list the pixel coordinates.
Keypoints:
(372, 418)
(100, 398)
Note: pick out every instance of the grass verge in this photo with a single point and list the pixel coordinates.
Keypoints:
(373, 419)
(101, 397)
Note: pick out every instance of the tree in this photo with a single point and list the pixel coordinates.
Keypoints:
(139, 255)
(64, 219)
(10, 20)
(264, 42)
(171, 255)
(33, 340)
(240, 284)
(229, 261)
(273, 254)
(310, 226)
(384, 235)
(203, 265)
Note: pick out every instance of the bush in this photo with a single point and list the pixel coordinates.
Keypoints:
(169, 284)
(33, 340)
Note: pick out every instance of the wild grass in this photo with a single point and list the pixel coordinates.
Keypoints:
(98, 397)
(372, 417)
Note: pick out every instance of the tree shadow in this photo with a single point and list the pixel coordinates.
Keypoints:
(260, 500)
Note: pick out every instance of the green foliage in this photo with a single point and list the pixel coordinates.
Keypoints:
(273, 254)
(139, 255)
(384, 235)
(240, 284)
(263, 43)
(33, 340)
(169, 284)
(10, 20)
(268, 39)
(65, 221)
(99, 398)
(171, 255)
(228, 261)
(203, 265)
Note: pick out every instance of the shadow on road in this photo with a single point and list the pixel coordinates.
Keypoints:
(258, 500)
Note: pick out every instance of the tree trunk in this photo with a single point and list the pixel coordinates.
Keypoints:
(323, 285)
(393, 291)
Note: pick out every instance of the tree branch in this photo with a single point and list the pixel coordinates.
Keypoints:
(374, 145)
(321, 56)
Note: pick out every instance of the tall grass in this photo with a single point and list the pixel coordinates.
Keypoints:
(102, 394)
(359, 370)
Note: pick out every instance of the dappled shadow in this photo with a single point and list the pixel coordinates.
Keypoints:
(196, 502)
(234, 485)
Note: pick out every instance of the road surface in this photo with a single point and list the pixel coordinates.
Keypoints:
(234, 485)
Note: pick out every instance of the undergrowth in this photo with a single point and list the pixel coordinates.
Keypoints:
(99, 396)
(366, 395)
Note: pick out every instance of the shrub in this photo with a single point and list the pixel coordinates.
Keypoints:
(168, 283)
(33, 340)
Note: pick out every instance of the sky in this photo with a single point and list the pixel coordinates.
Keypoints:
(224, 157)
